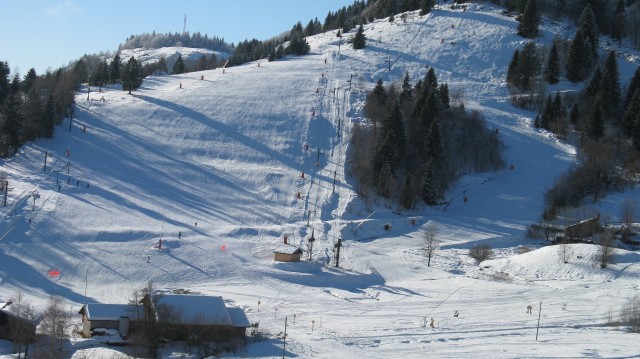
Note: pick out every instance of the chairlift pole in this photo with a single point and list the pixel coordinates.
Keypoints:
(538, 328)
(284, 340)
(338, 245)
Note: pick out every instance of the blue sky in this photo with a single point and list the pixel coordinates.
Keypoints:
(49, 34)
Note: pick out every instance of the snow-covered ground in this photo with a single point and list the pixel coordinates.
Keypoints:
(214, 168)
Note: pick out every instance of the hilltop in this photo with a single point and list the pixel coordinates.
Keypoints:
(222, 165)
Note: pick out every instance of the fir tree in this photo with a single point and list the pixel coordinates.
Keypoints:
(443, 91)
(574, 114)
(380, 93)
(426, 7)
(114, 69)
(547, 116)
(578, 62)
(29, 80)
(407, 89)
(48, 118)
(512, 70)
(359, 40)
(596, 121)
(593, 88)
(528, 66)
(633, 86)
(406, 197)
(610, 86)
(618, 23)
(429, 188)
(131, 75)
(631, 114)
(162, 65)
(552, 69)
(178, 67)
(530, 20)
(11, 128)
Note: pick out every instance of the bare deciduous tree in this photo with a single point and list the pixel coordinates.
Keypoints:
(606, 249)
(54, 324)
(430, 241)
(481, 252)
(627, 214)
(21, 334)
(565, 249)
(630, 314)
(148, 332)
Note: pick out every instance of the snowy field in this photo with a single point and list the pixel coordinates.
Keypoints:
(221, 161)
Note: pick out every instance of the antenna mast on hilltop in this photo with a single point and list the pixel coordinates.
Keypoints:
(184, 28)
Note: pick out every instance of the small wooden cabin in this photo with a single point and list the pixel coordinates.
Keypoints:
(287, 253)
(583, 229)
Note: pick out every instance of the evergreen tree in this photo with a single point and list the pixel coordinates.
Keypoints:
(114, 69)
(359, 40)
(380, 93)
(178, 67)
(530, 20)
(610, 86)
(593, 88)
(559, 112)
(272, 55)
(406, 197)
(596, 121)
(407, 91)
(589, 29)
(552, 69)
(632, 112)
(512, 70)
(48, 118)
(431, 81)
(618, 23)
(131, 75)
(162, 65)
(434, 150)
(426, 7)
(574, 114)
(11, 127)
(29, 80)
(529, 66)
(391, 146)
(429, 188)
(4, 80)
(297, 43)
(547, 116)
(443, 91)
(633, 86)
(578, 62)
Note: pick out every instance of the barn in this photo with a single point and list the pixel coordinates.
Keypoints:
(287, 253)
(183, 317)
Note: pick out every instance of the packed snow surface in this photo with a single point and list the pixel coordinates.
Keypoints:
(221, 165)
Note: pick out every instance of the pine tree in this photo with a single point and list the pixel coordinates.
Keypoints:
(359, 40)
(547, 116)
(114, 69)
(426, 7)
(589, 29)
(443, 91)
(593, 88)
(574, 114)
(631, 114)
(131, 75)
(552, 70)
(610, 86)
(559, 112)
(578, 63)
(297, 43)
(429, 188)
(178, 67)
(162, 65)
(512, 70)
(633, 86)
(380, 93)
(407, 90)
(29, 80)
(48, 118)
(618, 23)
(596, 121)
(530, 20)
(11, 128)
(529, 66)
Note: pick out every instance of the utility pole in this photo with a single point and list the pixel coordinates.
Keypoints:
(311, 240)
(46, 154)
(6, 192)
(284, 338)
(537, 329)
(333, 190)
(338, 245)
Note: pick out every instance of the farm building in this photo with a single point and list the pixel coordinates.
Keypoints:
(185, 316)
(287, 253)
(583, 229)
(108, 316)
(15, 327)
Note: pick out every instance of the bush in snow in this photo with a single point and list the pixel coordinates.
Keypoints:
(481, 252)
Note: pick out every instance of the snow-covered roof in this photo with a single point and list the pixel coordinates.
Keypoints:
(99, 311)
(195, 309)
(287, 249)
(238, 317)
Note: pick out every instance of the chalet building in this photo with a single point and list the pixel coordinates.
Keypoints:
(181, 317)
(287, 253)
(107, 316)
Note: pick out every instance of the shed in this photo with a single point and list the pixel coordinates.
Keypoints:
(239, 321)
(109, 316)
(583, 229)
(287, 253)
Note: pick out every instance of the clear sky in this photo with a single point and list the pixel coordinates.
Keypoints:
(50, 33)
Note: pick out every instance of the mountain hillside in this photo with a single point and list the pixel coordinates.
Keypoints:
(222, 165)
